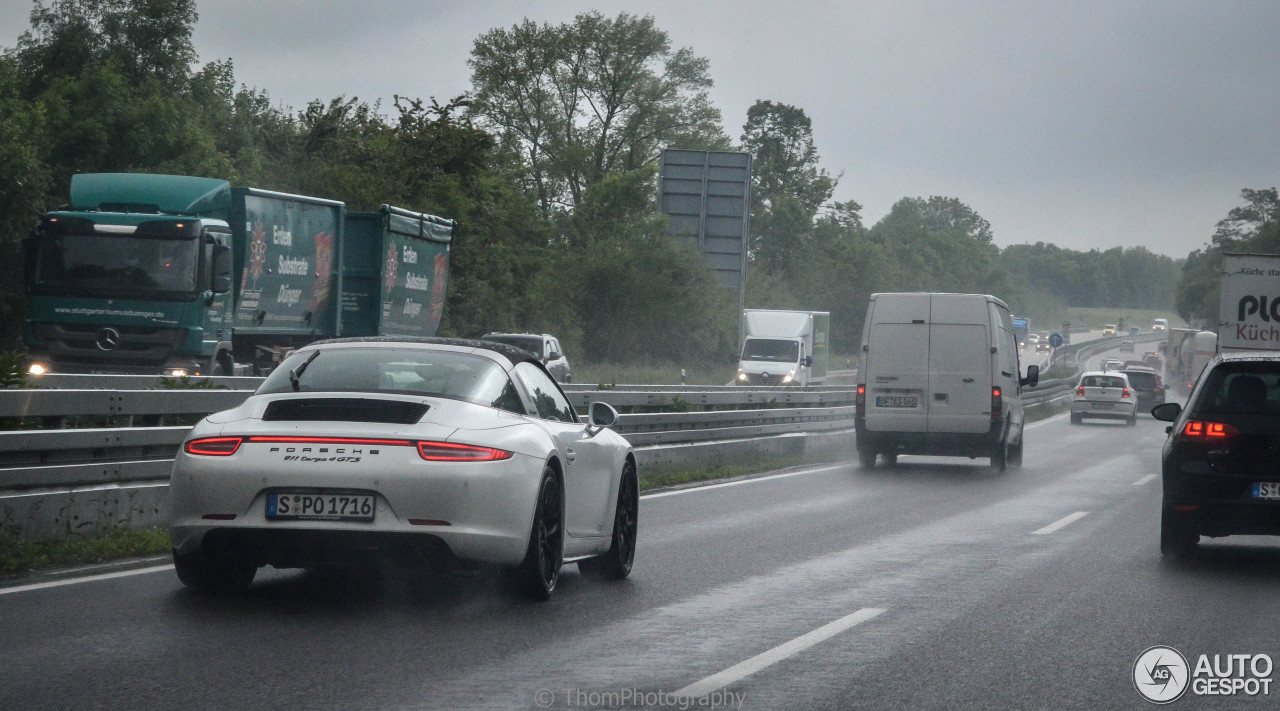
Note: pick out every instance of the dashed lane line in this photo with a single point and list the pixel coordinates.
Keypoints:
(703, 687)
(1060, 523)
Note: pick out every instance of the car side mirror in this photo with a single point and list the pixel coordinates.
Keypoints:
(602, 414)
(554, 356)
(221, 269)
(1168, 412)
(1033, 376)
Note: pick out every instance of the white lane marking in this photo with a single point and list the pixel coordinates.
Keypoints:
(1060, 523)
(1045, 421)
(694, 489)
(701, 688)
(1145, 479)
(87, 579)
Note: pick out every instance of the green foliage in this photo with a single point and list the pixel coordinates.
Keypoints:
(11, 373)
(19, 556)
(580, 101)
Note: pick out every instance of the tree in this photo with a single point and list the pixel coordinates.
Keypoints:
(788, 187)
(582, 100)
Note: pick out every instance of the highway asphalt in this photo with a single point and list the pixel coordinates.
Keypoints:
(932, 584)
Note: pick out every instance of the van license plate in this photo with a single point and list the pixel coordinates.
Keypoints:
(897, 401)
(1267, 490)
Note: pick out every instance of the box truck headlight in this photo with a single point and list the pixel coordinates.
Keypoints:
(37, 369)
(791, 374)
(742, 375)
(176, 372)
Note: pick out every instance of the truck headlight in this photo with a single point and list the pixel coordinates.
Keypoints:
(789, 376)
(176, 372)
(37, 369)
(742, 375)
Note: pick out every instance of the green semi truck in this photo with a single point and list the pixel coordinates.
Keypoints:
(182, 275)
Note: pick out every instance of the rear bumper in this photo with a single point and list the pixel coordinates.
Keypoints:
(1120, 411)
(944, 444)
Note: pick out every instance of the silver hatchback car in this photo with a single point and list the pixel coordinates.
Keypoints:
(543, 345)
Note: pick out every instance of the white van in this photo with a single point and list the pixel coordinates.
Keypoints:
(939, 374)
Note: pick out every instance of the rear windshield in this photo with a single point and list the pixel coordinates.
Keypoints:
(1144, 381)
(1102, 381)
(408, 371)
(1241, 388)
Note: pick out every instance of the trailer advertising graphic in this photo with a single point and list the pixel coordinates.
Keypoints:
(1249, 310)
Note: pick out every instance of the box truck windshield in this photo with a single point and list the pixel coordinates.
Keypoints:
(118, 265)
(771, 349)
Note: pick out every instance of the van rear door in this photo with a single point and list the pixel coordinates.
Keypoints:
(960, 364)
(897, 364)
(960, 378)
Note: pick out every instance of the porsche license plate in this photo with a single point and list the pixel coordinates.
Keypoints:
(1267, 490)
(320, 507)
(896, 401)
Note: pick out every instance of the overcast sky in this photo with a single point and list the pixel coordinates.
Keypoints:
(1085, 124)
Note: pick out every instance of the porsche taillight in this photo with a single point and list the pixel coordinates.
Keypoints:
(213, 446)
(454, 452)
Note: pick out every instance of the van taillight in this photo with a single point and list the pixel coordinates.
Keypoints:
(997, 405)
(1202, 431)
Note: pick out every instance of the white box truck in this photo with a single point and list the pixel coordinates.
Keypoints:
(784, 347)
(939, 375)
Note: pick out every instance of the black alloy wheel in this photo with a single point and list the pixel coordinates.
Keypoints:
(615, 564)
(541, 567)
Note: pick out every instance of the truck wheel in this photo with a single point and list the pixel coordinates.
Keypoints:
(867, 458)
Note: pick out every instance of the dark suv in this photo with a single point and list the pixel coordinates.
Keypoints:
(1221, 463)
(1146, 384)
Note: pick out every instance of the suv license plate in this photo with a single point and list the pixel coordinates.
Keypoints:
(896, 401)
(1267, 490)
(320, 507)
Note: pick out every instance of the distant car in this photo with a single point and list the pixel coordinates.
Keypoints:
(1135, 331)
(1043, 346)
(1109, 330)
(1044, 335)
(412, 450)
(1126, 346)
(1112, 364)
(1033, 338)
(1153, 360)
(1221, 462)
(1104, 395)
(1146, 384)
(545, 346)
(1160, 324)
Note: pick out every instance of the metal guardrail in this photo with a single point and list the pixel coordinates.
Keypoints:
(117, 454)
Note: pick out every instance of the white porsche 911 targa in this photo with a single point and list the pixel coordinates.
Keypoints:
(426, 450)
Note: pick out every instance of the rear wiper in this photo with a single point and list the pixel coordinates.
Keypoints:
(298, 371)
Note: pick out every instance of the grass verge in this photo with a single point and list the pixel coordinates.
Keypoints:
(1035, 413)
(20, 556)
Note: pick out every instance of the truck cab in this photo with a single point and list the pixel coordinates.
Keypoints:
(783, 347)
(130, 285)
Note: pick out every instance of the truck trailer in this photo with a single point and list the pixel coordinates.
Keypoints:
(784, 347)
(183, 275)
